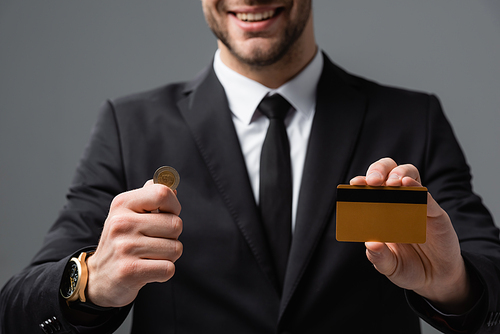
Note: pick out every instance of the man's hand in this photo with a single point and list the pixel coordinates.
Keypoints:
(136, 246)
(434, 270)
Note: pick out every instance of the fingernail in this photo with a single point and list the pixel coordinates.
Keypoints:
(394, 176)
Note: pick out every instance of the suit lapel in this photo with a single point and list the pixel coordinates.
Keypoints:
(340, 110)
(207, 114)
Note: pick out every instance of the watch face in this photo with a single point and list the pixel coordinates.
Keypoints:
(70, 279)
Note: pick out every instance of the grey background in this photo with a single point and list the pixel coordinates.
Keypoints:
(59, 60)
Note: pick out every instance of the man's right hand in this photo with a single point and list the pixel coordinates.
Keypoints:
(137, 246)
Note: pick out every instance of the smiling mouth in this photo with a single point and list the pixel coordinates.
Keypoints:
(256, 17)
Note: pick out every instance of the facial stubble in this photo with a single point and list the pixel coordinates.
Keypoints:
(261, 57)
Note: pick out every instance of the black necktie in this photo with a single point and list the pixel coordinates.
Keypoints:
(275, 194)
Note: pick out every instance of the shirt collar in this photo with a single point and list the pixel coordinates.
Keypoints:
(244, 94)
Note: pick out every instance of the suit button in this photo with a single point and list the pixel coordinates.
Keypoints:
(46, 328)
(50, 326)
(493, 319)
(496, 319)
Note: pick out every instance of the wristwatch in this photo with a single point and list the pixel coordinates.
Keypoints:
(74, 282)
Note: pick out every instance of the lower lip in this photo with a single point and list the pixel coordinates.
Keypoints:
(254, 26)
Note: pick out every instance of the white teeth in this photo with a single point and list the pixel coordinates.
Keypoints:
(253, 17)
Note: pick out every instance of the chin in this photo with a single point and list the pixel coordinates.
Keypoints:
(259, 52)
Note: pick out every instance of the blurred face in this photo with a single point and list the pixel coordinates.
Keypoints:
(259, 33)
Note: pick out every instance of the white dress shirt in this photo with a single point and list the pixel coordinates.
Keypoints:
(244, 95)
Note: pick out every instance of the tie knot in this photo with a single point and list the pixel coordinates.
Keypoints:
(274, 106)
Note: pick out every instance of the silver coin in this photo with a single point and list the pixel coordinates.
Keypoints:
(168, 176)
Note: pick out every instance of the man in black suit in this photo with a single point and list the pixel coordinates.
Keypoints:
(212, 129)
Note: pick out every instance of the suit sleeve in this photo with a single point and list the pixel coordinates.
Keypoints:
(448, 178)
(31, 299)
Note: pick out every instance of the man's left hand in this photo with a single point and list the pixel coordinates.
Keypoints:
(435, 269)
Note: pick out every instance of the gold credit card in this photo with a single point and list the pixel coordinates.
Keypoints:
(385, 214)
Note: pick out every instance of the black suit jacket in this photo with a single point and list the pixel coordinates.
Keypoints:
(224, 281)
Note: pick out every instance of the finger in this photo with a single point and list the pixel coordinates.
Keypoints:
(433, 208)
(171, 204)
(377, 173)
(381, 257)
(150, 182)
(149, 198)
(156, 249)
(155, 225)
(358, 181)
(132, 225)
(147, 270)
(159, 225)
(403, 172)
(438, 222)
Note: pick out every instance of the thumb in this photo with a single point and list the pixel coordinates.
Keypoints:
(381, 257)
